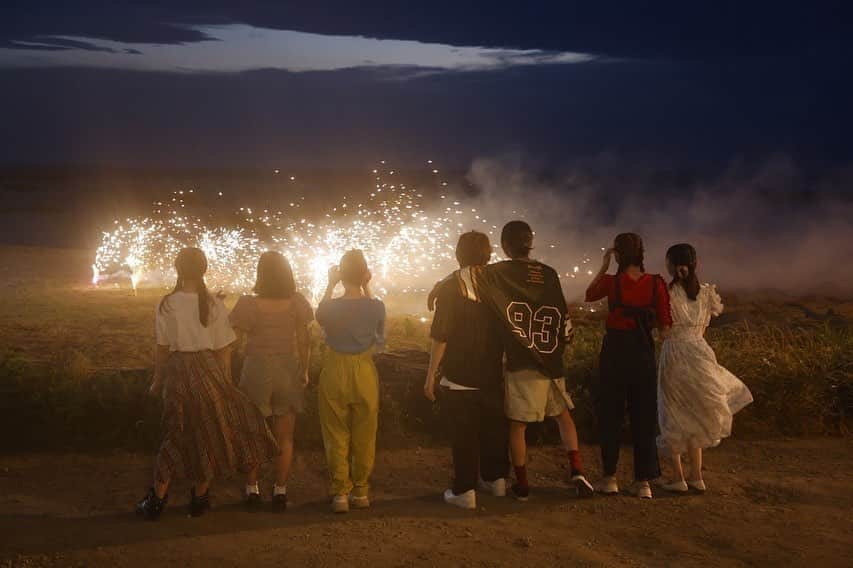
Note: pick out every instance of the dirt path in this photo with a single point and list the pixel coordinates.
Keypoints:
(770, 503)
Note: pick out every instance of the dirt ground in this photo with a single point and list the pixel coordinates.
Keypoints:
(770, 503)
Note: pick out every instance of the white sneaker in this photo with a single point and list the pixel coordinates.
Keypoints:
(467, 500)
(674, 486)
(359, 502)
(340, 504)
(697, 485)
(641, 489)
(496, 487)
(607, 486)
(582, 486)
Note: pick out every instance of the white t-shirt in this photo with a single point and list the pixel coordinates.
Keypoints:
(178, 326)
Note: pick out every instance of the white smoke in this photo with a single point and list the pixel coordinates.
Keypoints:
(767, 227)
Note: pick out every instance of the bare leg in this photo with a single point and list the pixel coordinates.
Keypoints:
(695, 463)
(568, 432)
(517, 443)
(252, 475)
(283, 428)
(201, 487)
(161, 488)
(677, 470)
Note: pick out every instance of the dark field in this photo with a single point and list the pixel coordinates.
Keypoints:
(76, 431)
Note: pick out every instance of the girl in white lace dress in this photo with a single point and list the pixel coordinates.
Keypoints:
(697, 397)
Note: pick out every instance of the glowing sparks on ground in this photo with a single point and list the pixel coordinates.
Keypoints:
(407, 247)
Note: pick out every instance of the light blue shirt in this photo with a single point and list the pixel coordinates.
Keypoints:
(353, 325)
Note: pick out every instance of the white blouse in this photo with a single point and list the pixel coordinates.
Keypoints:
(178, 326)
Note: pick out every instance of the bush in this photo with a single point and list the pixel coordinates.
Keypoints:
(801, 378)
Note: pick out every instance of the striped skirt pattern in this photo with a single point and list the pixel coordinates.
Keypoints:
(210, 428)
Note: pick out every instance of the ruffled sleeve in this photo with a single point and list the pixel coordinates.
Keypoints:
(242, 315)
(715, 302)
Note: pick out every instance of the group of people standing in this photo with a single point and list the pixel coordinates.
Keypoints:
(213, 426)
(498, 341)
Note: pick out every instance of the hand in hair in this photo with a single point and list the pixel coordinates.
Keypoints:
(334, 275)
(608, 257)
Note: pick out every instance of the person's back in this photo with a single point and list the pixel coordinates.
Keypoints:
(271, 323)
(529, 299)
(178, 324)
(474, 351)
(352, 325)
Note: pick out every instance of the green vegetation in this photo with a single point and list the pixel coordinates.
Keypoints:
(801, 377)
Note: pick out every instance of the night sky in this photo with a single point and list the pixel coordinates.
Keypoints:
(341, 84)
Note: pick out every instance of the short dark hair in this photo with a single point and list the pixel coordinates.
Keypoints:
(275, 277)
(517, 239)
(354, 267)
(473, 249)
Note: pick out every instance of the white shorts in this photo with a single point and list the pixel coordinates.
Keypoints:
(531, 396)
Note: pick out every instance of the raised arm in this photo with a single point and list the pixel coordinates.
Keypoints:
(596, 289)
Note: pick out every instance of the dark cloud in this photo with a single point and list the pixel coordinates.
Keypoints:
(58, 44)
(660, 30)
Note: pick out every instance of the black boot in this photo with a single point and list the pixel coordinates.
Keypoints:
(253, 502)
(279, 503)
(199, 504)
(151, 506)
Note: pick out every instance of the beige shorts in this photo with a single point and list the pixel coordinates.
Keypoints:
(531, 396)
(273, 383)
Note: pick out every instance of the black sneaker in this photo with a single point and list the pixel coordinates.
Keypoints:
(151, 506)
(521, 493)
(279, 503)
(253, 502)
(199, 504)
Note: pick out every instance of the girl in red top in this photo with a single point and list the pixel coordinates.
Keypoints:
(638, 302)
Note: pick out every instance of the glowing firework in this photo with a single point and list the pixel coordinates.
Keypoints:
(407, 247)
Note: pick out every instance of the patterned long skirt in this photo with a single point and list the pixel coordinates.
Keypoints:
(210, 428)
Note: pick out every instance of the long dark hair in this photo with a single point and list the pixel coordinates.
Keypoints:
(191, 264)
(275, 277)
(683, 257)
(629, 251)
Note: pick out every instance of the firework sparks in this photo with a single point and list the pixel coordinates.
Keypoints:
(407, 247)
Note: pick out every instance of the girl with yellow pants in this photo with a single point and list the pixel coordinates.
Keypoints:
(354, 325)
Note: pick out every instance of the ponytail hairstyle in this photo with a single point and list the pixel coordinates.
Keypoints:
(191, 264)
(629, 251)
(682, 257)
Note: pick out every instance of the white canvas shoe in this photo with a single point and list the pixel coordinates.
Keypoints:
(496, 487)
(641, 489)
(340, 504)
(467, 500)
(359, 502)
(607, 486)
(674, 486)
(697, 485)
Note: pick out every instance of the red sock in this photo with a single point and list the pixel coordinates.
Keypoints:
(575, 462)
(521, 475)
